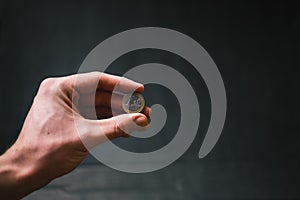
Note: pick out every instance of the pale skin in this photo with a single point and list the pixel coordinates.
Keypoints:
(49, 145)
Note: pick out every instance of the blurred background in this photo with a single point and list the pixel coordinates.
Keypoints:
(256, 48)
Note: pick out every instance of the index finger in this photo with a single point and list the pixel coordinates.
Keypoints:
(92, 81)
(110, 83)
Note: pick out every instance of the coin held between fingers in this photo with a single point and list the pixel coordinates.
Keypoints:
(133, 102)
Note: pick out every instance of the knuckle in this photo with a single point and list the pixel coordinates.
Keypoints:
(117, 130)
(96, 73)
(52, 85)
(47, 86)
(48, 81)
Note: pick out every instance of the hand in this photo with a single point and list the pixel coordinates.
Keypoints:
(49, 144)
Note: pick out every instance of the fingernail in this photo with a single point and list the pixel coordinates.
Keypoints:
(141, 121)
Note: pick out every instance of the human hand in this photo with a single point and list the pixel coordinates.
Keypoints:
(49, 145)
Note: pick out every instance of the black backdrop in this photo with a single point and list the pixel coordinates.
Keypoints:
(255, 46)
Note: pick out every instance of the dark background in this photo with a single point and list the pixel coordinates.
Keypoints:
(256, 48)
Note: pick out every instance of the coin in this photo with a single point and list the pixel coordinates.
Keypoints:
(133, 103)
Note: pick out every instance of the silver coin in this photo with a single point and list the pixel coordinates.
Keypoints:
(133, 103)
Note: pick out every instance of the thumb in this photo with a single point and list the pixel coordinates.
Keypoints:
(123, 125)
(118, 126)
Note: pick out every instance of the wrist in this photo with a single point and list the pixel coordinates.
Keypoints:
(16, 178)
(8, 174)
